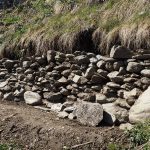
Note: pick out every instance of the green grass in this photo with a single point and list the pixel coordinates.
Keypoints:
(10, 147)
(36, 16)
(140, 134)
(11, 20)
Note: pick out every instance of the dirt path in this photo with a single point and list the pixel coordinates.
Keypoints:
(36, 129)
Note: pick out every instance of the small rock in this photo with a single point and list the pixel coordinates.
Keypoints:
(57, 107)
(79, 79)
(101, 98)
(8, 96)
(113, 85)
(89, 72)
(63, 114)
(134, 67)
(146, 73)
(126, 126)
(69, 109)
(53, 97)
(71, 116)
(9, 64)
(82, 59)
(98, 79)
(26, 64)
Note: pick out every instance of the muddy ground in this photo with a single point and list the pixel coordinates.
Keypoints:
(34, 129)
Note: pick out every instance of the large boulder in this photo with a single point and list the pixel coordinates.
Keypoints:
(120, 52)
(90, 114)
(32, 98)
(140, 111)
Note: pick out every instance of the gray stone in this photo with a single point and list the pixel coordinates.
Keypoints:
(63, 114)
(98, 79)
(8, 96)
(26, 64)
(146, 73)
(3, 84)
(126, 126)
(101, 98)
(101, 64)
(19, 93)
(102, 73)
(9, 64)
(120, 52)
(71, 116)
(112, 110)
(53, 97)
(134, 67)
(79, 79)
(32, 98)
(134, 93)
(87, 97)
(113, 85)
(63, 80)
(122, 103)
(82, 59)
(64, 91)
(70, 109)
(90, 114)
(51, 56)
(89, 72)
(56, 107)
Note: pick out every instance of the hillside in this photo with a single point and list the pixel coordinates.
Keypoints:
(69, 25)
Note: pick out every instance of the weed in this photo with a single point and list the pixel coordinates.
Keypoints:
(140, 134)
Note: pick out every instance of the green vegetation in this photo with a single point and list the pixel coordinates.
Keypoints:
(113, 146)
(140, 134)
(139, 138)
(10, 147)
(114, 18)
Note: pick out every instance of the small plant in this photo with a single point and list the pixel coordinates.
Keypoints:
(140, 134)
(11, 20)
(10, 147)
(113, 146)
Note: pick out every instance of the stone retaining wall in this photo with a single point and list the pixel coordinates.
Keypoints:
(105, 86)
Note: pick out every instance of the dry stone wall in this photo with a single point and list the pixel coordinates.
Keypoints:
(84, 86)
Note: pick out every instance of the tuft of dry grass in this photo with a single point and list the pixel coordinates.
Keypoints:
(64, 26)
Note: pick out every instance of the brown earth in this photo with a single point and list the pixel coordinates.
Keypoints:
(36, 129)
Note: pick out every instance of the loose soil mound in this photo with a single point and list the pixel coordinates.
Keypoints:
(34, 129)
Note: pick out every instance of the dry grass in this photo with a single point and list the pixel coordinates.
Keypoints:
(125, 22)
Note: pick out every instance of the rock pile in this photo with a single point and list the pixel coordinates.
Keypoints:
(81, 85)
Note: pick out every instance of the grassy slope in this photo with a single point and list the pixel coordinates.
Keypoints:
(125, 22)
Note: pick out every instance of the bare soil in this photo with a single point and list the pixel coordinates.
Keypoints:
(35, 129)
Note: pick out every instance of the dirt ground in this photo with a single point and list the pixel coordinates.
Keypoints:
(35, 129)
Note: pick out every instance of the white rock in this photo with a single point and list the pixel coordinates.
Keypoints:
(63, 114)
(140, 111)
(56, 107)
(32, 98)
(126, 126)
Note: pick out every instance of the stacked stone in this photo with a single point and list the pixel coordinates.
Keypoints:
(68, 82)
